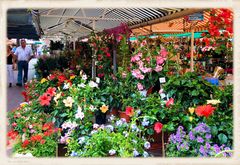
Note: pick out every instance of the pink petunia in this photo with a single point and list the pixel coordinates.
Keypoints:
(140, 86)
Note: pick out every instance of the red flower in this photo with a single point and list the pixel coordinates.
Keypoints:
(204, 110)
(12, 134)
(61, 78)
(44, 99)
(47, 126)
(101, 75)
(25, 143)
(129, 111)
(170, 102)
(48, 133)
(51, 91)
(158, 127)
(36, 138)
(42, 141)
(51, 77)
(24, 93)
(203, 34)
(108, 55)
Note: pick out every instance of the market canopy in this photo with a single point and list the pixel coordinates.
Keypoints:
(80, 22)
(20, 24)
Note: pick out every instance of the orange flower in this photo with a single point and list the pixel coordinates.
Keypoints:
(104, 108)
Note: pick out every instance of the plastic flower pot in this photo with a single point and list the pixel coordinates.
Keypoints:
(100, 118)
(124, 115)
(61, 150)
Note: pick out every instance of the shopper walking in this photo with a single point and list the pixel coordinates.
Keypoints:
(24, 55)
(10, 62)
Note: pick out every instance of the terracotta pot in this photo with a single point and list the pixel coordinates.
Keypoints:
(124, 115)
(114, 111)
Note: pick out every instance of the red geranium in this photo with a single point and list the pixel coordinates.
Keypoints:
(170, 102)
(205, 110)
(25, 143)
(51, 91)
(24, 93)
(158, 127)
(61, 78)
(44, 99)
(42, 141)
(12, 134)
(47, 126)
(36, 138)
(129, 111)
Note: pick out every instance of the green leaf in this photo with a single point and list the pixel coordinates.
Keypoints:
(195, 93)
(222, 138)
(214, 130)
(63, 115)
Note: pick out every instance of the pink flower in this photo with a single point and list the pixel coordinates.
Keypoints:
(170, 102)
(163, 52)
(140, 86)
(158, 68)
(143, 43)
(158, 127)
(108, 54)
(160, 91)
(140, 63)
(160, 60)
(14, 124)
(141, 77)
(145, 70)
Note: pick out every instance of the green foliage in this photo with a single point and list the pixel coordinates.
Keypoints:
(189, 89)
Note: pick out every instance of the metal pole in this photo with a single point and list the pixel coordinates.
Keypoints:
(93, 58)
(192, 49)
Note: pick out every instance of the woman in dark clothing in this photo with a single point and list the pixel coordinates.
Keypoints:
(10, 62)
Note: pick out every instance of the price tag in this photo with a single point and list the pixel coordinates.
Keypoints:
(162, 80)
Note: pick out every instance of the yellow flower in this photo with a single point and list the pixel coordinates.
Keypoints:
(104, 108)
(213, 102)
(72, 77)
(43, 80)
(68, 140)
(57, 96)
(191, 110)
(68, 102)
(190, 118)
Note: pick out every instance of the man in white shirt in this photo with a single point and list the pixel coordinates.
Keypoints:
(24, 55)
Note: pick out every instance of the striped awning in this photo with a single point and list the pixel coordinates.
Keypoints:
(80, 22)
(175, 26)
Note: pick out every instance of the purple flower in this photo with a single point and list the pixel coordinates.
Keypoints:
(200, 139)
(216, 148)
(208, 146)
(202, 150)
(191, 136)
(208, 136)
(202, 128)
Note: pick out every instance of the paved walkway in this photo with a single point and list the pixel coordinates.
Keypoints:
(14, 96)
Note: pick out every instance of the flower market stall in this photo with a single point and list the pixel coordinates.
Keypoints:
(106, 96)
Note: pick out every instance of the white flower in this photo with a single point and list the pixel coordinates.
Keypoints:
(135, 153)
(102, 126)
(97, 80)
(138, 111)
(125, 133)
(145, 122)
(84, 77)
(68, 102)
(112, 152)
(23, 137)
(66, 86)
(145, 154)
(119, 123)
(112, 117)
(147, 145)
(82, 85)
(79, 115)
(64, 126)
(93, 131)
(92, 108)
(134, 127)
(92, 84)
(213, 102)
(81, 140)
(109, 127)
(134, 141)
(95, 126)
(30, 126)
